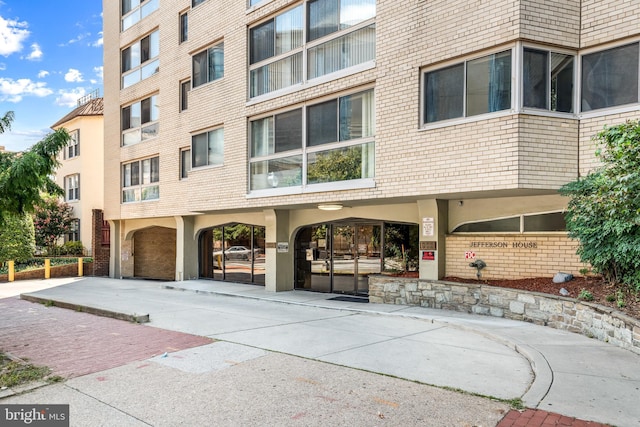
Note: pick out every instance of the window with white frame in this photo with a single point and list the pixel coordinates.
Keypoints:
(339, 34)
(207, 149)
(547, 80)
(208, 65)
(184, 27)
(337, 144)
(140, 121)
(140, 60)
(72, 187)
(610, 78)
(73, 148)
(134, 11)
(185, 162)
(140, 180)
(73, 235)
(473, 87)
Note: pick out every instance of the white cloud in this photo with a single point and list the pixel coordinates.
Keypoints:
(73, 75)
(99, 72)
(36, 53)
(69, 98)
(99, 42)
(42, 74)
(80, 37)
(3, 66)
(14, 90)
(12, 34)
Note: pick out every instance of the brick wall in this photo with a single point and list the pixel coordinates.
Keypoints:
(100, 248)
(512, 256)
(69, 270)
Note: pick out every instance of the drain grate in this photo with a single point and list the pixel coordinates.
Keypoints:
(350, 299)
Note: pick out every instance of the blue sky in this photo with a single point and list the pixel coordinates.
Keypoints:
(50, 55)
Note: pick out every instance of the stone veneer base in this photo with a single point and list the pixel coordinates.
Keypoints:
(591, 320)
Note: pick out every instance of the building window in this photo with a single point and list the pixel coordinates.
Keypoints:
(72, 187)
(184, 27)
(140, 121)
(185, 87)
(339, 144)
(135, 10)
(207, 149)
(340, 34)
(140, 180)
(473, 87)
(208, 65)
(185, 162)
(528, 223)
(610, 78)
(194, 3)
(139, 60)
(73, 148)
(74, 231)
(547, 80)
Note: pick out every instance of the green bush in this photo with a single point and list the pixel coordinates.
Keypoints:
(604, 211)
(17, 241)
(72, 248)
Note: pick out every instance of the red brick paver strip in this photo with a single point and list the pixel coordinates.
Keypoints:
(72, 343)
(539, 418)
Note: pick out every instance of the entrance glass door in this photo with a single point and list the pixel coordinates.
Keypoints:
(344, 256)
(338, 257)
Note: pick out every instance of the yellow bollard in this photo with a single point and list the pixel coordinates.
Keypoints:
(47, 268)
(80, 267)
(12, 271)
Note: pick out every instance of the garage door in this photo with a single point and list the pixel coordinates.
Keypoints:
(154, 253)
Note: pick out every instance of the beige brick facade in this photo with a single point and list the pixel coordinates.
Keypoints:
(509, 162)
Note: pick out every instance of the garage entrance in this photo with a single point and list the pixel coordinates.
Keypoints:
(154, 253)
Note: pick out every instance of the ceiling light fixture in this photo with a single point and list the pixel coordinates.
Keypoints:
(330, 207)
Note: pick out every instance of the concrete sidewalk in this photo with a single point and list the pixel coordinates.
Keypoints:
(549, 369)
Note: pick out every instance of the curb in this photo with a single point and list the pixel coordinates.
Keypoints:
(135, 318)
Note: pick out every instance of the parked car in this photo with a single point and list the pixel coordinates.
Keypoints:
(237, 252)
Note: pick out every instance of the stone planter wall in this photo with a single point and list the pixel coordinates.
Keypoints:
(592, 320)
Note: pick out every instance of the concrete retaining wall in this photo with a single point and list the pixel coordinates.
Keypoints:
(592, 320)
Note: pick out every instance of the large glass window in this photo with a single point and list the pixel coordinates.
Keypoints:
(339, 144)
(139, 180)
(277, 46)
(140, 121)
(135, 10)
(208, 65)
(547, 80)
(139, 60)
(208, 148)
(474, 87)
(610, 78)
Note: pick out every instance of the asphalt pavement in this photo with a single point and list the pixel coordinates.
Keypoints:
(301, 358)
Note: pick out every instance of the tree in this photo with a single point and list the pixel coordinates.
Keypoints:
(25, 176)
(336, 165)
(52, 220)
(604, 211)
(16, 238)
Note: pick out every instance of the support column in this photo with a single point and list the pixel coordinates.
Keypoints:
(433, 228)
(279, 251)
(115, 244)
(186, 249)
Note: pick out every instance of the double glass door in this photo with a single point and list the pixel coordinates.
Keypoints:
(338, 257)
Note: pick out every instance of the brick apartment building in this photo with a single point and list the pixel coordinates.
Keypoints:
(307, 144)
